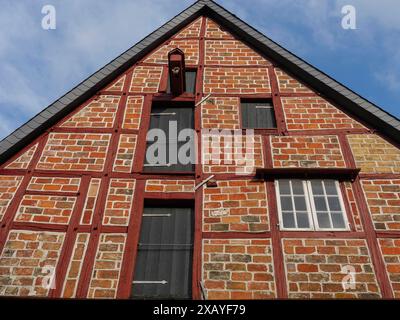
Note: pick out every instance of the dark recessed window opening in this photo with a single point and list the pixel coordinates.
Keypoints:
(164, 258)
(171, 147)
(258, 114)
(190, 76)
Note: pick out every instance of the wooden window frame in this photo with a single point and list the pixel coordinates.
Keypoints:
(311, 210)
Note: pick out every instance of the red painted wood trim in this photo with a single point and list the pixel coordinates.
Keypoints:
(164, 80)
(198, 208)
(324, 132)
(336, 173)
(169, 195)
(322, 234)
(133, 235)
(276, 101)
(346, 151)
(9, 215)
(33, 226)
(388, 234)
(276, 243)
(347, 206)
(91, 130)
(52, 193)
(372, 241)
(70, 238)
(141, 140)
(267, 152)
(377, 176)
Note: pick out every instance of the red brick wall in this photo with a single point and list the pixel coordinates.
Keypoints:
(313, 113)
(8, 187)
(70, 151)
(390, 249)
(100, 113)
(383, 198)
(236, 80)
(238, 269)
(189, 47)
(107, 266)
(50, 184)
(26, 260)
(169, 186)
(221, 113)
(307, 152)
(23, 161)
(287, 84)
(213, 30)
(133, 113)
(192, 30)
(146, 79)
(231, 52)
(314, 268)
(238, 205)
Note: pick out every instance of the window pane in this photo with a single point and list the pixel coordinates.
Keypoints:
(334, 204)
(323, 220)
(320, 204)
(300, 203)
(297, 186)
(286, 203)
(302, 220)
(338, 220)
(317, 187)
(284, 187)
(288, 220)
(330, 187)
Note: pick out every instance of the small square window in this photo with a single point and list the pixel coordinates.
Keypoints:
(258, 115)
(310, 205)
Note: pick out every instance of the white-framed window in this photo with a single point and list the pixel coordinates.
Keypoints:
(310, 205)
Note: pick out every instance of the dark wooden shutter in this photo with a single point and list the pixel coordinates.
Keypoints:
(190, 82)
(164, 254)
(258, 115)
(160, 118)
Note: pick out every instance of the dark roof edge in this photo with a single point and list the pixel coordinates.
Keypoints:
(367, 111)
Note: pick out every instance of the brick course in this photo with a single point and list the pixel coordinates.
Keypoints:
(213, 30)
(133, 113)
(75, 266)
(126, 150)
(117, 85)
(236, 80)
(100, 113)
(146, 79)
(51, 184)
(27, 261)
(169, 186)
(23, 161)
(237, 205)
(45, 209)
(312, 113)
(307, 152)
(314, 268)
(390, 249)
(373, 154)
(107, 266)
(229, 157)
(221, 113)
(70, 151)
(90, 202)
(119, 202)
(189, 47)
(383, 197)
(287, 84)
(231, 52)
(192, 30)
(8, 187)
(238, 269)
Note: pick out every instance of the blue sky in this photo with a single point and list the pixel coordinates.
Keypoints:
(38, 66)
